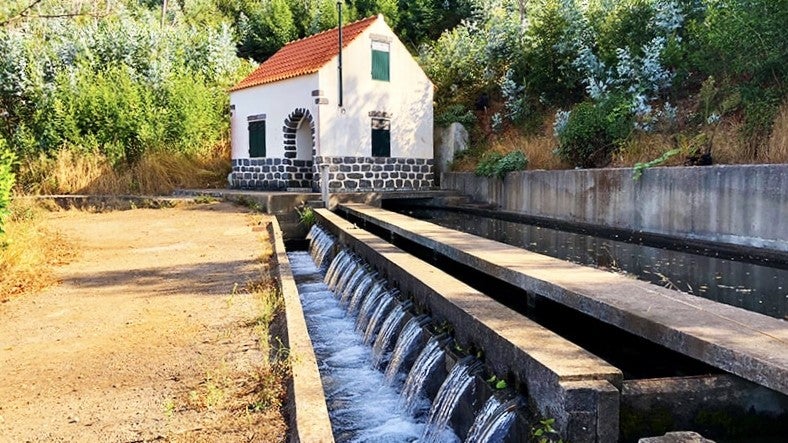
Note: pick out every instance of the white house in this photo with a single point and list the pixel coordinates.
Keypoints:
(290, 117)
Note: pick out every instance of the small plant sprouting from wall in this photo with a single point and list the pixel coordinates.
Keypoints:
(543, 432)
(306, 216)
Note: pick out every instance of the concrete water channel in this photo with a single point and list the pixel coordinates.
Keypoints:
(607, 357)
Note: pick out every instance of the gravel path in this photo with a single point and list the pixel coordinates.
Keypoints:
(128, 347)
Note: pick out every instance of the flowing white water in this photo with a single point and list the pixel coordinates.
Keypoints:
(362, 407)
(493, 421)
(458, 381)
(427, 362)
(378, 317)
(366, 308)
(407, 344)
(382, 346)
(363, 403)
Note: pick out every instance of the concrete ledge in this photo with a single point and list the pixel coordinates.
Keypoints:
(750, 345)
(309, 421)
(737, 204)
(283, 202)
(715, 405)
(538, 358)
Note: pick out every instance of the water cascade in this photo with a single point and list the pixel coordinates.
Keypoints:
(406, 346)
(459, 380)
(426, 364)
(381, 312)
(365, 338)
(493, 421)
(389, 330)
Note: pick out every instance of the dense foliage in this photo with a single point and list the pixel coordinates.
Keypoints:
(616, 69)
(6, 182)
(120, 85)
(264, 26)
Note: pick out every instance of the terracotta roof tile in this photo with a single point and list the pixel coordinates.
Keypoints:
(304, 56)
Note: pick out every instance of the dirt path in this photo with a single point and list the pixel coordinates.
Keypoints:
(148, 337)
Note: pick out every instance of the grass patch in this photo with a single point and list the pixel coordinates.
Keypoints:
(29, 250)
(70, 171)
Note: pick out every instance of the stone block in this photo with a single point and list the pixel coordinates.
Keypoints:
(677, 437)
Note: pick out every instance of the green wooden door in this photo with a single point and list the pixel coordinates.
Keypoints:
(257, 139)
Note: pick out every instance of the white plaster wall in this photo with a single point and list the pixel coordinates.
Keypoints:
(276, 100)
(407, 97)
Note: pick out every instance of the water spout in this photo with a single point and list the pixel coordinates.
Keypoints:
(493, 421)
(426, 364)
(460, 378)
(407, 344)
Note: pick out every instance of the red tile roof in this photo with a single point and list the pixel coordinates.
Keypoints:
(304, 56)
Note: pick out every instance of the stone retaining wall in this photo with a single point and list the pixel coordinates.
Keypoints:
(738, 204)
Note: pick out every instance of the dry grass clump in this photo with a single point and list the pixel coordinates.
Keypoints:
(777, 151)
(538, 147)
(28, 251)
(70, 171)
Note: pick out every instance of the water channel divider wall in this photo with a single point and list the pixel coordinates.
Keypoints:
(744, 343)
(560, 380)
(308, 415)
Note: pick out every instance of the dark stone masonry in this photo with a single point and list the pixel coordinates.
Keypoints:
(346, 174)
(271, 174)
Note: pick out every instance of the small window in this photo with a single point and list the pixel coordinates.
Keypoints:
(381, 137)
(257, 138)
(380, 61)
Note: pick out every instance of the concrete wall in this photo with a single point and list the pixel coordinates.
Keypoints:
(741, 205)
(406, 100)
(562, 381)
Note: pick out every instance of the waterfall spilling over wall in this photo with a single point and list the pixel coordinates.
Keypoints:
(560, 380)
(384, 364)
(737, 205)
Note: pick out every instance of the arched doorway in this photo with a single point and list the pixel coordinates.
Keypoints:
(300, 135)
(304, 140)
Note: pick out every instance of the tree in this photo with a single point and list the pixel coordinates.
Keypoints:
(265, 29)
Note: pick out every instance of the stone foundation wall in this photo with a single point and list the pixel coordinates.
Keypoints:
(271, 174)
(349, 174)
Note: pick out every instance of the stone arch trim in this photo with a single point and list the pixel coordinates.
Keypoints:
(290, 128)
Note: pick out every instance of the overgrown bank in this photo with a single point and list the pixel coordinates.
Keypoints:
(579, 83)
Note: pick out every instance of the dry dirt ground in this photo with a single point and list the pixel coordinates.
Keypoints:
(149, 336)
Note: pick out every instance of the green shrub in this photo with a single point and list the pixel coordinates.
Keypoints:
(455, 113)
(494, 164)
(7, 159)
(593, 131)
(486, 166)
(549, 71)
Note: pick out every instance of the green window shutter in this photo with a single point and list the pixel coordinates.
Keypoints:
(380, 65)
(381, 137)
(257, 139)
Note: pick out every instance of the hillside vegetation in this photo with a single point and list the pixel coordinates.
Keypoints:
(597, 83)
(122, 96)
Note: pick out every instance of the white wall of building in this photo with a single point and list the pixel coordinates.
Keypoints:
(407, 97)
(277, 101)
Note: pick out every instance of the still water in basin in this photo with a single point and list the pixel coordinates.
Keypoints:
(755, 287)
